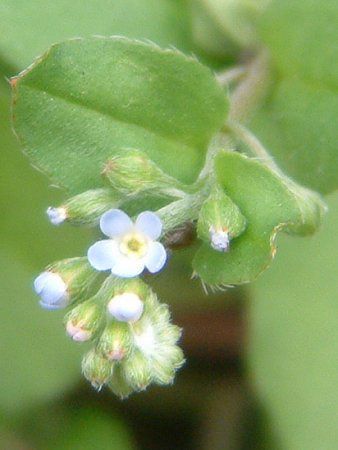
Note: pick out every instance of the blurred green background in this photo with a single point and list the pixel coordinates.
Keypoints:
(262, 364)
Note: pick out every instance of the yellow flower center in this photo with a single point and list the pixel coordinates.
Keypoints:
(134, 245)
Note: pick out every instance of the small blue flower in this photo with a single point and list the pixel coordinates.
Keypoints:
(52, 290)
(131, 247)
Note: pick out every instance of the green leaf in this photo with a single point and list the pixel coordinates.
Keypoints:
(165, 22)
(86, 99)
(270, 203)
(296, 123)
(294, 339)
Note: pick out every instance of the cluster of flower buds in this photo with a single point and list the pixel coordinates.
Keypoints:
(134, 341)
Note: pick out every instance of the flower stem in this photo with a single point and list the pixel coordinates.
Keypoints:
(252, 143)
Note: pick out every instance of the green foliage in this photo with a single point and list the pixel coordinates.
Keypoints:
(296, 123)
(294, 339)
(29, 28)
(270, 203)
(85, 99)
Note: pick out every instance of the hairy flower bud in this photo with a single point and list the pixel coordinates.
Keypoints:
(63, 282)
(97, 369)
(220, 220)
(137, 371)
(83, 321)
(115, 342)
(132, 171)
(119, 385)
(85, 208)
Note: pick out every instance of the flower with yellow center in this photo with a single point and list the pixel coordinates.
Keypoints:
(131, 247)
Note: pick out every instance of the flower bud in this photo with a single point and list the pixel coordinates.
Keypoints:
(126, 307)
(85, 208)
(165, 364)
(132, 171)
(63, 282)
(220, 220)
(97, 369)
(83, 321)
(118, 384)
(52, 290)
(115, 342)
(136, 370)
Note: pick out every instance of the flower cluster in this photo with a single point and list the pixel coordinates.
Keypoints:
(134, 341)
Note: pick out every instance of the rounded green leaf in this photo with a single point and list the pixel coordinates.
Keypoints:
(269, 202)
(85, 99)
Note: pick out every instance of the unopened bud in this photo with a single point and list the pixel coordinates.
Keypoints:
(118, 384)
(126, 307)
(164, 365)
(97, 369)
(52, 290)
(64, 281)
(220, 220)
(132, 171)
(83, 321)
(85, 208)
(115, 342)
(137, 371)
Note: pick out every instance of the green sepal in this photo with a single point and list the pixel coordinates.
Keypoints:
(87, 208)
(87, 317)
(118, 384)
(136, 370)
(97, 369)
(78, 275)
(115, 342)
(131, 172)
(219, 212)
(270, 203)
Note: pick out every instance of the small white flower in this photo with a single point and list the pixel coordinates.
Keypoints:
(56, 215)
(52, 290)
(126, 307)
(77, 332)
(220, 239)
(131, 247)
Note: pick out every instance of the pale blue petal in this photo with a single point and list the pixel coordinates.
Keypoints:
(127, 267)
(115, 222)
(156, 257)
(149, 224)
(40, 282)
(103, 254)
(53, 306)
(52, 290)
